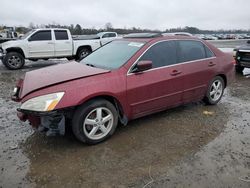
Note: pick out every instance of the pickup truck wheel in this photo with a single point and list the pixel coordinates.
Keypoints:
(215, 91)
(83, 53)
(13, 60)
(95, 121)
(239, 69)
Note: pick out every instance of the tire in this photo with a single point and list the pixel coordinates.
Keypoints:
(239, 69)
(84, 52)
(13, 61)
(215, 91)
(91, 128)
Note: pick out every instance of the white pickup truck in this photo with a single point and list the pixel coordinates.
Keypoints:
(50, 43)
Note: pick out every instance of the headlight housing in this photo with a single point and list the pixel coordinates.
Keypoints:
(43, 103)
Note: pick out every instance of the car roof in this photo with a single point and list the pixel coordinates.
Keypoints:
(50, 29)
(161, 38)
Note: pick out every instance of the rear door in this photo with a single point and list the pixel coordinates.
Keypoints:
(160, 87)
(63, 43)
(199, 67)
(41, 44)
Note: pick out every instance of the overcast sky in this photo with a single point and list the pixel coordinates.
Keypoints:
(152, 14)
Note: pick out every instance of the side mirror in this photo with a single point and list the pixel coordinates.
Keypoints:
(143, 66)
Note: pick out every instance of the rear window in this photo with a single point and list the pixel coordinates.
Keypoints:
(61, 35)
(190, 51)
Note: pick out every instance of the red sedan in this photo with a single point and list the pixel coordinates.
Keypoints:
(126, 79)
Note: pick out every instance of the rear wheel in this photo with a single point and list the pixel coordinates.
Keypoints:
(84, 52)
(95, 121)
(13, 60)
(215, 91)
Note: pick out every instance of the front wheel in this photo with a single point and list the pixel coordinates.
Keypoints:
(95, 121)
(13, 60)
(215, 91)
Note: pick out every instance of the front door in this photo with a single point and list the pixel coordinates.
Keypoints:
(40, 44)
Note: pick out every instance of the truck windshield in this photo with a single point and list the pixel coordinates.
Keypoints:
(112, 55)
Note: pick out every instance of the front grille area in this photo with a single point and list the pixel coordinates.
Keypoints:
(244, 56)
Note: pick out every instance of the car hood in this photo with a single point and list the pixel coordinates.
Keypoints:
(45, 77)
(12, 43)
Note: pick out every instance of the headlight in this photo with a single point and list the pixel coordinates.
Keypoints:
(43, 103)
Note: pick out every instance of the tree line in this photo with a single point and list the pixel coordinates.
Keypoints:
(79, 30)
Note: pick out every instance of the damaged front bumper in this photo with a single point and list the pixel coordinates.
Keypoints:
(52, 123)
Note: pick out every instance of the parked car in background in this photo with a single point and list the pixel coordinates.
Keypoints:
(242, 57)
(125, 79)
(50, 43)
(177, 34)
(7, 34)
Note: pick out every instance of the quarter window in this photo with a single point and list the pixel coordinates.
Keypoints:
(161, 54)
(190, 51)
(209, 53)
(61, 35)
(40, 36)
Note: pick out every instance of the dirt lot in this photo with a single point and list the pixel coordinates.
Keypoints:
(189, 146)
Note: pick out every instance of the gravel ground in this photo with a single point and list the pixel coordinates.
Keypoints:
(190, 146)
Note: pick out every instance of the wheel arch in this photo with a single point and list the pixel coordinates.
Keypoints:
(223, 76)
(82, 47)
(16, 49)
(118, 105)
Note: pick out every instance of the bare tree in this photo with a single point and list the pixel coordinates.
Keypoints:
(108, 26)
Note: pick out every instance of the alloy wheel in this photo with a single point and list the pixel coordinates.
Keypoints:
(98, 123)
(216, 90)
(14, 61)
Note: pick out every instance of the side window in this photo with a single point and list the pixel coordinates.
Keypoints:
(105, 35)
(209, 53)
(40, 36)
(161, 54)
(61, 35)
(112, 35)
(190, 50)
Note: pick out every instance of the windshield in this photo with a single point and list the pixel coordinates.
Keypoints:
(112, 55)
(27, 34)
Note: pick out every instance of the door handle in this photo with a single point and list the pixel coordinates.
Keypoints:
(175, 73)
(211, 64)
